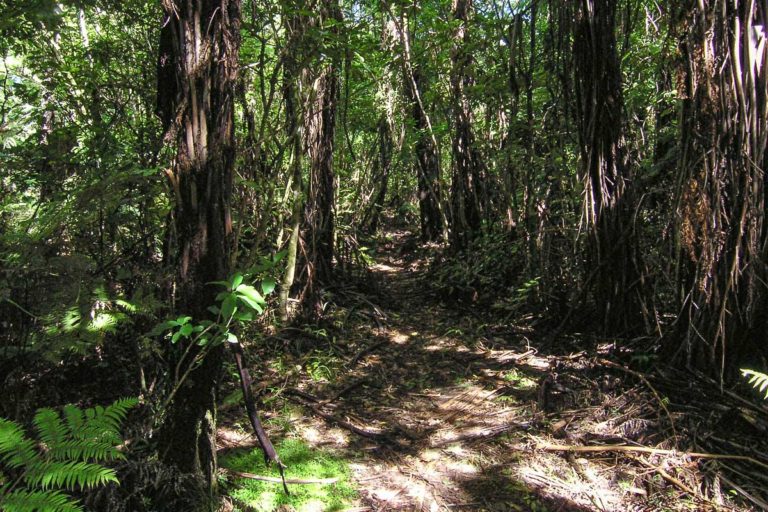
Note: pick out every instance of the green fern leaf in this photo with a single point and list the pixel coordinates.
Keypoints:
(73, 444)
(49, 426)
(16, 449)
(75, 419)
(71, 475)
(758, 380)
(86, 451)
(24, 500)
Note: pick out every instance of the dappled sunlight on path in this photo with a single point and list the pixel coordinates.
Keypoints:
(435, 410)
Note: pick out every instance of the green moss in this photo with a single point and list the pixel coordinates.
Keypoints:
(303, 462)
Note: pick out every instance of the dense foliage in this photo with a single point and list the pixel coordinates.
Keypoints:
(590, 165)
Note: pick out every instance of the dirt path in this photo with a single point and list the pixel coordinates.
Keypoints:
(436, 411)
(433, 413)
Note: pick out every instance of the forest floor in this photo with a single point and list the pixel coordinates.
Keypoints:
(434, 408)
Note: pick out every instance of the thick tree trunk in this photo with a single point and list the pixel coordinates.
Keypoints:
(382, 168)
(613, 265)
(467, 184)
(197, 71)
(319, 127)
(721, 228)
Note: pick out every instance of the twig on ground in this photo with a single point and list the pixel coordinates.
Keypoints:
(276, 480)
(644, 449)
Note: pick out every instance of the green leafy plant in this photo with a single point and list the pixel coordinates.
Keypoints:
(758, 380)
(67, 456)
(237, 303)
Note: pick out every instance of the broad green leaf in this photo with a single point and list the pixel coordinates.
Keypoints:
(183, 320)
(244, 316)
(267, 285)
(279, 256)
(231, 337)
(186, 330)
(253, 304)
(175, 337)
(249, 291)
(229, 306)
(237, 279)
(162, 327)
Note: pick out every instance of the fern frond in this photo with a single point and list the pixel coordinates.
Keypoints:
(24, 500)
(16, 449)
(85, 451)
(116, 412)
(70, 475)
(75, 419)
(74, 444)
(758, 380)
(50, 428)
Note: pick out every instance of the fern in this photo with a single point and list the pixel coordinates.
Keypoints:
(758, 380)
(22, 500)
(68, 456)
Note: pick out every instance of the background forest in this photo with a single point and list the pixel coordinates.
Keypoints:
(213, 202)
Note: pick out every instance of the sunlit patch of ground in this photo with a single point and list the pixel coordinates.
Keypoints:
(430, 414)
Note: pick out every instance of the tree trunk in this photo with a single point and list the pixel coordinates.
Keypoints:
(466, 185)
(433, 223)
(291, 74)
(721, 199)
(319, 127)
(197, 71)
(383, 162)
(612, 257)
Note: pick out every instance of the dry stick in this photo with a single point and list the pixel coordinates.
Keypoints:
(365, 351)
(653, 390)
(666, 476)
(644, 449)
(299, 481)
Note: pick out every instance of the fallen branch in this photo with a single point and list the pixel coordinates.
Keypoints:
(643, 449)
(277, 480)
(365, 351)
(666, 476)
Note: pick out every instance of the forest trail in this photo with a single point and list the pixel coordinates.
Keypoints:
(435, 410)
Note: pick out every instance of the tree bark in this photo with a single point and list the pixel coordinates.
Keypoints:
(721, 198)
(467, 183)
(607, 207)
(319, 131)
(432, 219)
(197, 72)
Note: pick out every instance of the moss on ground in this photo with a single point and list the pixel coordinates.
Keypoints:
(303, 462)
